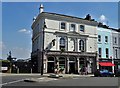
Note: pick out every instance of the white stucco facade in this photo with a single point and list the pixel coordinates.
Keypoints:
(76, 43)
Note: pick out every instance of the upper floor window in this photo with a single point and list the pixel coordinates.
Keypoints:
(62, 43)
(115, 40)
(116, 53)
(82, 28)
(106, 39)
(81, 45)
(99, 38)
(100, 52)
(63, 25)
(107, 53)
(72, 27)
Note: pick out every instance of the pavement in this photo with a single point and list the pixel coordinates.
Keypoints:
(45, 77)
(36, 80)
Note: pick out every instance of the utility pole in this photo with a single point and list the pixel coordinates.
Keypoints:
(42, 65)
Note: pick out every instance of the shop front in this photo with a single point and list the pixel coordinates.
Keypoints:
(106, 64)
(70, 62)
(117, 65)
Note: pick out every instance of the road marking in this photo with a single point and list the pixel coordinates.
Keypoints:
(11, 82)
(46, 79)
(75, 78)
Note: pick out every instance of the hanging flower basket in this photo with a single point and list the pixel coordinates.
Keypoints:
(62, 50)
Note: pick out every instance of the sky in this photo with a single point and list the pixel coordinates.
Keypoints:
(17, 20)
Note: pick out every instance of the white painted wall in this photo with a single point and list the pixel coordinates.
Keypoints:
(53, 26)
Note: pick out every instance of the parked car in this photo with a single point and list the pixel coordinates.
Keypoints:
(106, 73)
(103, 73)
(117, 73)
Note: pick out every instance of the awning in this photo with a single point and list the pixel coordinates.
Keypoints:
(106, 64)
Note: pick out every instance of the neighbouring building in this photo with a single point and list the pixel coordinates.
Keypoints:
(105, 52)
(66, 42)
(116, 48)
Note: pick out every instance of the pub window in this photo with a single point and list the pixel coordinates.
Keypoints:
(72, 27)
(62, 43)
(81, 45)
(63, 25)
(61, 63)
(82, 28)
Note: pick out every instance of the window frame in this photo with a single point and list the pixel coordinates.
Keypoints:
(116, 55)
(61, 25)
(80, 28)
(100, 52)
(71, 27)
(107, 52)
(106, 39)
(99, 38)
(115, 40)
(82, 46)
(62, 43)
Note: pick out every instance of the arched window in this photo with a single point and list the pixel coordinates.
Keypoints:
(81, 45)
(62, 43)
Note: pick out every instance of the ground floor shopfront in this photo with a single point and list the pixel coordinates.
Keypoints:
(110, 64)
(117, 65)
(106, 64)
(67, 62)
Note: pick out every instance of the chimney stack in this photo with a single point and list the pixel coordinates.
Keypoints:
(41, 9)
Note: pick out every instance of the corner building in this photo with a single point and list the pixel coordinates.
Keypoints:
(69, 43)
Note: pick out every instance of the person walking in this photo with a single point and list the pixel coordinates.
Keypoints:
(86, 70)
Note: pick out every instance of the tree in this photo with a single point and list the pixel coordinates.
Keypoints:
(9, 56)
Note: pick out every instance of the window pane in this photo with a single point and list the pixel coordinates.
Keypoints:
(107, 53)
(116, 53)
(81, 45)
(63, 25)
(72, 28)
(106, 38)
(82, 28)
(62, 43)
(99, 38)
(115, 40)
(99, 52)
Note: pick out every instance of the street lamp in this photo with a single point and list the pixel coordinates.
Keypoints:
(44, 26)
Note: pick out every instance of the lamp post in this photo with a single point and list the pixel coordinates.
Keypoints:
(44, 26)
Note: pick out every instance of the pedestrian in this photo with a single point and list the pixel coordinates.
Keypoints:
(86, 71)
(82, 70)
(55, 70)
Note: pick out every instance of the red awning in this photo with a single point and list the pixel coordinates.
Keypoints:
(106, 64)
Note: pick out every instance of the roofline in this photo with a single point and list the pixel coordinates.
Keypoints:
(63, 16)
(69, 16)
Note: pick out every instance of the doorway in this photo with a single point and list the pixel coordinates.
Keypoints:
(50, 68)
(71, 68)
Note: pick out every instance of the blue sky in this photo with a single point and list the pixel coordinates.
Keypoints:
(17, 19)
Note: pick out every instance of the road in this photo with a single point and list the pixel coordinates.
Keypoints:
(84, 82)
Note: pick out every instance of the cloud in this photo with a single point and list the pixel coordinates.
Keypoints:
(103, 19)
(25, 31)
